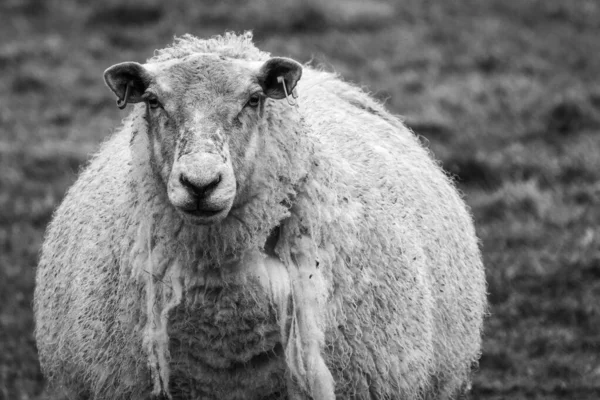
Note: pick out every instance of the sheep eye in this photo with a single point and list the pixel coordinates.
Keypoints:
(153, 102)
(254, 100)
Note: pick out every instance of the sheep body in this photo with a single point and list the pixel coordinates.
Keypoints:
(356, 273)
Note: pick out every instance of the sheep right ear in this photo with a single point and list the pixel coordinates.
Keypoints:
(278, 77)
(129, 81)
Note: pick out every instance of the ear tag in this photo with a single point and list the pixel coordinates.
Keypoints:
(122, 103)
(287, 97)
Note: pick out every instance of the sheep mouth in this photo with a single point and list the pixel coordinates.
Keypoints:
(204, 216)
(204, 212)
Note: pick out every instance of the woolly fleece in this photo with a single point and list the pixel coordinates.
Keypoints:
(355, 274)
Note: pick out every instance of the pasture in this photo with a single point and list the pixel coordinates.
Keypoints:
(506, 94)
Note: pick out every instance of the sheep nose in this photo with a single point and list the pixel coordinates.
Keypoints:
(200, 188)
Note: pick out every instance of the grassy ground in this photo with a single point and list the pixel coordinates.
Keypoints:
(505, 93)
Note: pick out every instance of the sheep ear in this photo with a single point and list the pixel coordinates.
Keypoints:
(272, 69)
(129, 81)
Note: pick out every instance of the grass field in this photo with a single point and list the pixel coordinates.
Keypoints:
(506, 93)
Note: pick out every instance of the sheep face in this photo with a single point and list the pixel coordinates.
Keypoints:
(204, 115)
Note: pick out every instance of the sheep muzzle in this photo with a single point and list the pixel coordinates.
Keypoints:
(202, 188)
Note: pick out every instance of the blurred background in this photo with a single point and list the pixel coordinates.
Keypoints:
(505, 93)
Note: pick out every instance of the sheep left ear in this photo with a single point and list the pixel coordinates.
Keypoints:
(129, 81)
(290, 72)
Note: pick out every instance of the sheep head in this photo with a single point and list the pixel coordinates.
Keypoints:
(204, 114)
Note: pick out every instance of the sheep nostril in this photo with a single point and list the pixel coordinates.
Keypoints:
(214, 183)
(199, 189)
(186, 183)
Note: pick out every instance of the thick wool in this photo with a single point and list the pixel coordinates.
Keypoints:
(355, 274)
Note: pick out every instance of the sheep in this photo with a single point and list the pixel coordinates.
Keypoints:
(257, 229)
